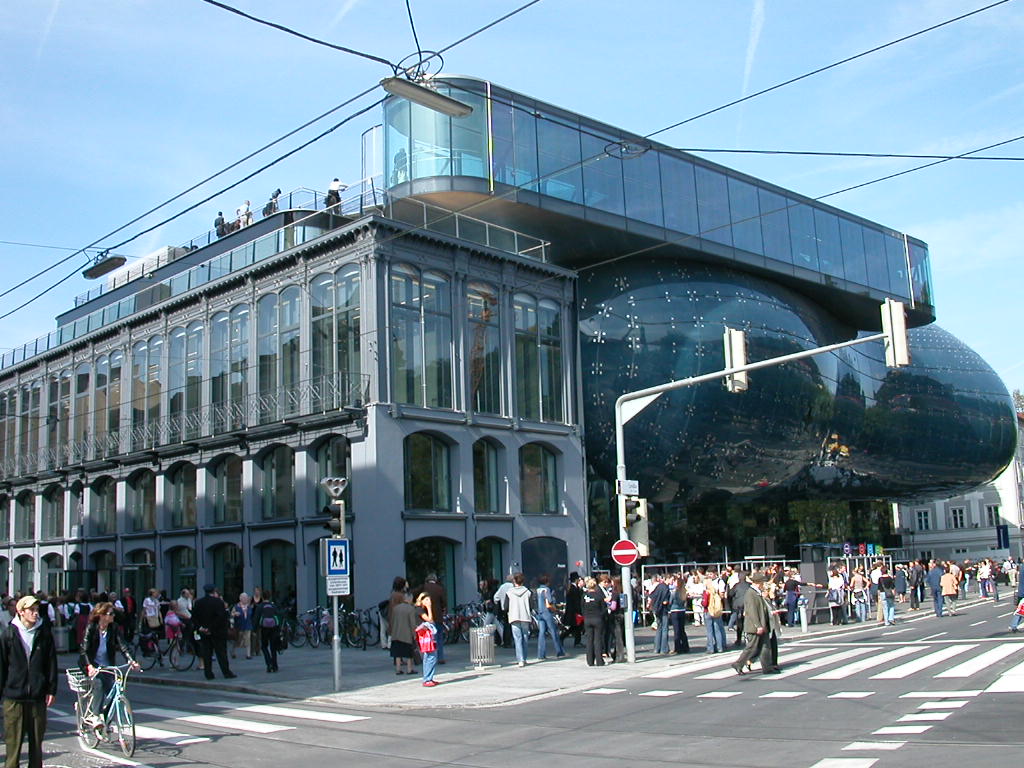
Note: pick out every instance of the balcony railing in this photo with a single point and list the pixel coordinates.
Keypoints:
(310, 397)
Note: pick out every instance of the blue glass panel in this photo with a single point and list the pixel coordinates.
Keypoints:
(602, 177)
(852, 238)
(396, 141)
(801, 233)
(265, 247)
(469, 137)
(921, 275)
(830, 253)
(431, 143)
(642, 180)
(745, 213)
(502, 145)
(679, 195)
(775, 226)
(109, 314)
(179, 284)
(558, 151)
(874, 256)
(524, 126)
(896, 258)
(713, 206)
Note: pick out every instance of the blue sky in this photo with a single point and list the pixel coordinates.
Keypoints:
(111, 106)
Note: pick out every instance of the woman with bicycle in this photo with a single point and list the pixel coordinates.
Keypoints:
(100, 647)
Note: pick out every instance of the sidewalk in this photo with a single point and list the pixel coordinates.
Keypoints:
(369, 681)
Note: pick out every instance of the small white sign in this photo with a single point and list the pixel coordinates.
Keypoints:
(339, 585)
(629, 487)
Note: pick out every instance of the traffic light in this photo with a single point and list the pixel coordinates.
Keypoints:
(894, 326)
(735, 342)
(636, 523)
(335, 487)
(334, 523)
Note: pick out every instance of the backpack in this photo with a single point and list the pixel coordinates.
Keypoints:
(714, 605)
(268, 615)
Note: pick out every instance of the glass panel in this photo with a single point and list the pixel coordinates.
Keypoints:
(396, 141)
(485, 478)
(427, 475)
(713, 206)
(679, 195)
(874, 256)
(745, 214)
(469, 137)
(801, 232)
(558, 150)
(485, 348)
(775, 226)
(642, 179)
(602, 177)
(853, 251)
(537, 482)
(921, 274)
(830, 255)
(896, 256)
(431, 142)
(527, 377)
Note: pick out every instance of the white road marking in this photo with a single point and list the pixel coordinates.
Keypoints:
(924, 717)
(859, 666)
(892, 730)
(167, 737)
(215, 721)
(784, 658)
(718, 695)
(783, 694)
(940, 694)
(661, 693)
(982, 661)
(897, 631)
(846, 762)
(58, 712)
(859, 746)
(851, 695)
(824, 661)
(932, 637)
(112, 757)
(975, 624)
(301, 714)
(942, 704)
(686, 669)
(905, 670)
(605, 691)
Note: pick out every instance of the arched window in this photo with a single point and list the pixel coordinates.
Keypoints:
(229, 366)
(227, 490)
(538, 374)
(427, 475)
(53, 513)
(142, 500)
(145, 394)
(25, 517)
(103, 511)
(183, 495)
(277, 468)
(184, 381)
(100, 395)
(484, 344)
(8, 423)
(277, 346)
(182, 561)
(421, 349)
(28, 429)
(538, 480)
(335, 337)
(486, 478)
(333, 460)
(5, 519)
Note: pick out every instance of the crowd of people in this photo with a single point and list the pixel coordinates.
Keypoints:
(244, 217)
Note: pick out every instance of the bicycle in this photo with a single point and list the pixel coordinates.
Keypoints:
(369, 620)
(147, 651)
(93, 729)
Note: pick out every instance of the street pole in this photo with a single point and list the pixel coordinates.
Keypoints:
(336, 635)
(630, 404)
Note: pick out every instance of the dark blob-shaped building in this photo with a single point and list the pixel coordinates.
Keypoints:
(668, 249)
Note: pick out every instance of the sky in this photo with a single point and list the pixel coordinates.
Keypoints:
(110, 107)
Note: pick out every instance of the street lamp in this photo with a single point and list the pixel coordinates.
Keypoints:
(425, 96)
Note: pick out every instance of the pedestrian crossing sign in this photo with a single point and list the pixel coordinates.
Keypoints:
(336, 561)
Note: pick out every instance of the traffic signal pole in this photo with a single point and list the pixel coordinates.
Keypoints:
(632, 403)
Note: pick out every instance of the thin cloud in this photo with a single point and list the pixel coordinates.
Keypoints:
(46, 29)
(756, 25)
(347, 6)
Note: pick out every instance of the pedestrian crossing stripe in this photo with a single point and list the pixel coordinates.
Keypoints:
(661, 693)
(901, 729)
(857, 667)
(851, 695)
(918, 717)
(291, 712)
(981, 661)
(784, 658)
(783, 694)
(718, 695)
(215, 721)
(605, 691)
(939, 694)
(905, 670)
(864, 746)
(825, 661)
(846, 762)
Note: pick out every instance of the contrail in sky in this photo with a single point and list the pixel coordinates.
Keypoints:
(756, 25)
(47, 28)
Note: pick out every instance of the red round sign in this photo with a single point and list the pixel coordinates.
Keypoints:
(624, 552)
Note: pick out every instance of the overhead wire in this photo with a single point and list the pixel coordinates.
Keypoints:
(808, 153)
(415, 37)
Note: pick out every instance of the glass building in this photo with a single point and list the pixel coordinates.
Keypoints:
(452, 336)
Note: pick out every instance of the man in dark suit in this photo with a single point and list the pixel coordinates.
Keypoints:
(756, 624)
(737, 596)
(210, 618)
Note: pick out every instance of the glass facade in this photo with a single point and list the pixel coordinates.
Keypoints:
(421, 347)
(516, 141)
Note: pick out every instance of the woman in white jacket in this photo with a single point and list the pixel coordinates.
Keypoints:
(517, 604)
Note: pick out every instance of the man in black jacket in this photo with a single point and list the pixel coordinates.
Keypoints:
(28, 681)
(210, 618)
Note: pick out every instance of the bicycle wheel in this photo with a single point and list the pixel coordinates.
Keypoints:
(371, 629)
(87, 734)
(354, 636)
(124, 726)
(146, 652)
(313, 633)
(296, 637)
(181, 655)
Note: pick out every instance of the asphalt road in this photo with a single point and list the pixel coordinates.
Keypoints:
(928, 691)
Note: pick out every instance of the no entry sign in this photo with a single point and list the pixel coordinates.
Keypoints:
(624, 552)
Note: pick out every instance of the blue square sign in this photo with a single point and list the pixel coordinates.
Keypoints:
(337, 557)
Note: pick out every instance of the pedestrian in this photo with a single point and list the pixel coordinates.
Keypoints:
(257, 640)
(99, 649)
(517, 605)
(243, 215)
(934, 581)
(859, 591)
(714, 607)
(593, 623)
(131, 613)
(900, 577)
(756, 625)
(737, 595)
(210, 619)
(500, 614)
(615, 630)
(267, 618)
(950, 590)
(915, 583)
(426, 637)
(271, 207)
(1018, 615)
(677, 617)
(151, 610)
(403, 618)
(28, 681)
(399, 590)
(887, 595)
(241, 617)
(573, 615)
(836, 596)
(439, 603)
(546, 620)
(658, 604)
(334, 191)
(219, 225)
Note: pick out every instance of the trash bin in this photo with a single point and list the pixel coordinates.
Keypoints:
(481, 646)
(61, 638)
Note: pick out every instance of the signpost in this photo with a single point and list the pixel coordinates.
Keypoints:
(335, 556)
(625, 553)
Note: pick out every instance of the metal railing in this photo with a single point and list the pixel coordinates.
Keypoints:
(310, 397)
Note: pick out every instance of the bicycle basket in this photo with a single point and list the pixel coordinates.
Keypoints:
(78, 681)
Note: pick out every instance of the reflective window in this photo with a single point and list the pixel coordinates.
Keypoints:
(484, 344)
(468, 137)
(896, 257)
(8, 425)
(558, 153)
(745, 214)
(679, 195)
(103, 509)
(335, 338)
(852, 238)
(427, 474)
(421, 337)
(874, 259)
(801, 235)
(183, 496)
(83, 412)
(25, 517)
(277, 468)
(538, 359)
(184, 381)
(431, 143)
(53, 513)
(713, 206)
(5, 533)
(642, 180)
(775, 226)
(141, 501)
(830, 254)
(486, 488)
(227, 490)
(396, 141)
(229, 366)
(602, 176)
(58, 420)
(538, 480)
(920, 275)
(333, 459)
(145, 393)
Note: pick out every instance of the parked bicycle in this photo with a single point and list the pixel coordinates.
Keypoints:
(179, 652)
(457, 625)
(118, 724)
